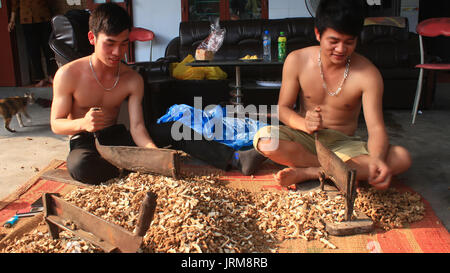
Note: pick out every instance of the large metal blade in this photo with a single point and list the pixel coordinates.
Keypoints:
(139, 159)
(343, 177)
(332, 165)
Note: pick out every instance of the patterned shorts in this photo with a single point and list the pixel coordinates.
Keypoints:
(344, 146)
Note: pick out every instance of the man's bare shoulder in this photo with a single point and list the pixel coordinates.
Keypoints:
(364, 67)
(304, 53)
(133, 78)
(73, 69)
(365, 75)
(301, 59)
(363, 63)
(127, 71)
(69, 76)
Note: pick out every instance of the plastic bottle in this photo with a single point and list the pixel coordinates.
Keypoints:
(266, 47)
(281, 47)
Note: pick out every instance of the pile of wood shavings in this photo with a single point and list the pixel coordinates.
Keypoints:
(390, 208)
(200, 214)
(41, 242)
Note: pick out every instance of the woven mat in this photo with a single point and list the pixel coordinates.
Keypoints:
(23, 197)
(425, 236)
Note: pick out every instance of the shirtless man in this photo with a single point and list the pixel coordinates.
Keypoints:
(330, 103)
(88, 93)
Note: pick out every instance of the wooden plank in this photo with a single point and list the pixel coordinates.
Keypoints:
(139, 159)
(362, 224)
(63, 176)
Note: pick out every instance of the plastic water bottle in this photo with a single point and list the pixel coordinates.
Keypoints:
(281, 47)
(266, 47)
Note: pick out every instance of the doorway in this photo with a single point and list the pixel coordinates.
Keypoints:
(9, 70)
(15, 69)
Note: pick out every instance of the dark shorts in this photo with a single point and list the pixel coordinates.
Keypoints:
(85, 163)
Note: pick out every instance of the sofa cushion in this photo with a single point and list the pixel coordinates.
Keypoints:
(387, 46)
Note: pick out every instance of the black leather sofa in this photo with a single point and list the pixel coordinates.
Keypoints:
(393, 50)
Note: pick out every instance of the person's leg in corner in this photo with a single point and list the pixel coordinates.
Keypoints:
(300, 168)
(45, 29)
(85, 164)
(277, 143)
(32, 37)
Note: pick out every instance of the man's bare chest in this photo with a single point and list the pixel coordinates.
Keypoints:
(313, 93)
(88, 95)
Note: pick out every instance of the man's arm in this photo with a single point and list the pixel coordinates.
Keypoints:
(12, 19)
(290, 88)
(378, 143)
(137, 125)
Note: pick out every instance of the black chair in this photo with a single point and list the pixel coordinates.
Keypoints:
(69, 40)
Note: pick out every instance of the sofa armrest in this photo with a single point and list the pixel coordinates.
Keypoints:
(158, 69)
(173, 49)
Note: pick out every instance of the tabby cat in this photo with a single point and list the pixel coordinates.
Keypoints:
(15, 106)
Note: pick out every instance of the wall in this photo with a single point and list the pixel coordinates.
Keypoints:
(279, 9)
(164, 17)
(410, 9)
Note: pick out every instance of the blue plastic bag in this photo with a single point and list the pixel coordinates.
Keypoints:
(214, 124)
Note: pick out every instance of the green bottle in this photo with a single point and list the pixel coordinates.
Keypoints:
(281, 47)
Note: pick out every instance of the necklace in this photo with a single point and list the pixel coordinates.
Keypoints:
(324, 84)
(95, 76)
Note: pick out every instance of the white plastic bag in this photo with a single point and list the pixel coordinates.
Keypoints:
(212, 43)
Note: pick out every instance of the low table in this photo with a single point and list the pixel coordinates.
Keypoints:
(237, 96)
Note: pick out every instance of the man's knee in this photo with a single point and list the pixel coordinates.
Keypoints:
(267, 146)
(400, 158)
(88, 167)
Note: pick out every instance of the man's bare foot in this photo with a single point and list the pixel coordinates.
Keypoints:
(290, 176)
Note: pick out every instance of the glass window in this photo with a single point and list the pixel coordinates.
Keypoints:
(245, 9)
(201, 10)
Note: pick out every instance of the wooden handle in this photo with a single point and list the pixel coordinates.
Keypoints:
(146, 213)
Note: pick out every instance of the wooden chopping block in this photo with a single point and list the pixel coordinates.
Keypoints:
(338, 172)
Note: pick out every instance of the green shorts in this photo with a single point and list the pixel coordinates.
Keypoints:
(344, 146)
